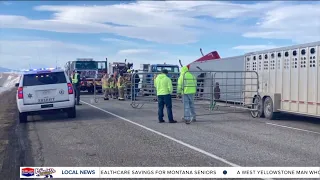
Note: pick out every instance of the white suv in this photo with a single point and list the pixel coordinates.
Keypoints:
(42, 90)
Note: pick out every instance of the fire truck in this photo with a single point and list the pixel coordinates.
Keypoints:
(90, 71)
(120, 67)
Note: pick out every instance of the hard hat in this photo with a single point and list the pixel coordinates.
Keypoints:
(129, 70)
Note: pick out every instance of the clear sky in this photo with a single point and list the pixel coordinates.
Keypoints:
(41, 33)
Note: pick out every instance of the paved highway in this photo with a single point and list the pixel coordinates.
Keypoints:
(112, 133)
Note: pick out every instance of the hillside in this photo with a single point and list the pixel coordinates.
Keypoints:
(5, 69)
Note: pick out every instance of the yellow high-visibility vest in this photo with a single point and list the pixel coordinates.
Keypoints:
(111, 82)
(75, 78)
(105, 83)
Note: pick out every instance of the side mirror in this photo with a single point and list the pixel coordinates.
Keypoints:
(16, 85)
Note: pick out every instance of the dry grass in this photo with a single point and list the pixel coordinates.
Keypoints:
(8, 118)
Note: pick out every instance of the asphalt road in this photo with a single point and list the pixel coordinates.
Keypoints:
(112, 133)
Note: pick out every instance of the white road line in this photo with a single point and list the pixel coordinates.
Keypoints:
(169, 137)
(293, 128)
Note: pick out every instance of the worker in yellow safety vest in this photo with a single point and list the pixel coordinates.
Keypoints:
(76, 85)
(112, 86)
(115, 77)
(105, 86)
(121, 86)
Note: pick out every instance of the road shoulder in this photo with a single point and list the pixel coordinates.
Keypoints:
(12, 151)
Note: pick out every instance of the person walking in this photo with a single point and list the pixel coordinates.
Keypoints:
(163, 86)
(187, 87)
(76, 86)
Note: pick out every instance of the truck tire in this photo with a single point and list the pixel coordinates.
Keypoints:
(23, 117)
(259, 106)
(71, 112)
(268, 109)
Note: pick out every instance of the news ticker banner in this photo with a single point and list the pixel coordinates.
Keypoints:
(170, 172)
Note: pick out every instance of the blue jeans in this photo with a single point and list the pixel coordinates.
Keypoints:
(189, 110)
(165, 100)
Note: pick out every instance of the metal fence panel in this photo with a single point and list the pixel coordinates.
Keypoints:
(217, 91)
(224, 92)
(144, 90)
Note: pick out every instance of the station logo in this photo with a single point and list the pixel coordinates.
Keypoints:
(45, 172)
(27, 172)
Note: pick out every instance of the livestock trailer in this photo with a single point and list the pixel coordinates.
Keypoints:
(289, 78)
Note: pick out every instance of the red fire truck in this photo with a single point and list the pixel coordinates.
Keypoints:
(90, 71)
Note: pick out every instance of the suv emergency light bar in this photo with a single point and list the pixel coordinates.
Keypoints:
(41, 69)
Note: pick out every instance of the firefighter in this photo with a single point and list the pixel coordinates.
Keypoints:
(121, 86)
(105, 86)
(116, 91)
(128, 85)
(112, 86)
(76, 86)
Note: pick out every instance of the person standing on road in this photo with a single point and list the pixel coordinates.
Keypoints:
(163, 85)
(187, 86)
(76, 85)
(105, 86)
(116, 88)
(121, 86)
(112, 86)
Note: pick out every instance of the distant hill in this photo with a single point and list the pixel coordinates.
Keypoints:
(5, 69)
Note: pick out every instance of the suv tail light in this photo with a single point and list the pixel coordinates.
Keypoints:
(70, 88)
(20, 93)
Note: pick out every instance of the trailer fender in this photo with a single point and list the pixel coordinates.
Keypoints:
(276, 99)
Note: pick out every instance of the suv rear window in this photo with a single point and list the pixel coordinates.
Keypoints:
(44, 78)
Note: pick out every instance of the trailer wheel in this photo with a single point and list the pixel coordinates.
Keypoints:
(268, 109)
(257, 105)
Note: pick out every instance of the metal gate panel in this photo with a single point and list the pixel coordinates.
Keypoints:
(145, 91)
(225, 92)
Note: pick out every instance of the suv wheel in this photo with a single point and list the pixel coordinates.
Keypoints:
(23, 117)
(71, 112)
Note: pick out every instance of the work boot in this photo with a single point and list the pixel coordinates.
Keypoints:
(172, 121)
(78, 104)
(106, 99)
(183, 119)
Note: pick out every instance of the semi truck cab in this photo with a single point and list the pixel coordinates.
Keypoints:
(147, 82)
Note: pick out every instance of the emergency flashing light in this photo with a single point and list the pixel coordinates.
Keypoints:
(41, 69)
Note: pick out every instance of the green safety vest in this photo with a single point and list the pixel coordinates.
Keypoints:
(75, 78)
